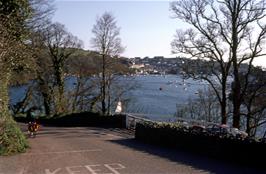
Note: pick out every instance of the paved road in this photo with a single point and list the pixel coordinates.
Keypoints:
(105, 151)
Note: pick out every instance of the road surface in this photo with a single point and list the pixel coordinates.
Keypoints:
(106, 151)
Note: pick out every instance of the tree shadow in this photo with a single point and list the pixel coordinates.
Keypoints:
(78, 132)
(196, 161)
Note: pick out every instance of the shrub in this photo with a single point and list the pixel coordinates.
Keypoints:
(83, 119)
(175, 135)
(12, 140)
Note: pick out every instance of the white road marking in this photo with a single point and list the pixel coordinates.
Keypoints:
(114, 167)
(71, 170)
(92, 169)
(62, 152)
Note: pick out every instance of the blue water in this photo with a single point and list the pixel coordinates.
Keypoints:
(156, 97)
(17, 93)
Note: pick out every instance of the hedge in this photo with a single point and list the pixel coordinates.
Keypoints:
(174, 135)
(83, 119)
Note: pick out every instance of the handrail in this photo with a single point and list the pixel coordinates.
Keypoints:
(131, 121)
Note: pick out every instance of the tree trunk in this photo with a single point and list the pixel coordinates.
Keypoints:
(237, 86)
(46, 94)
(60, 83)
(74, 104)
(46, 103)
(236, 99)
(103, 86)
(248, 124)
(223, 102)
(223, 112)
(109, 98)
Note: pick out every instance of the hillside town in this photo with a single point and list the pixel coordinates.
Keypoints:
(156, 65)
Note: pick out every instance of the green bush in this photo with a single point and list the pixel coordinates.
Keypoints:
(12, 140)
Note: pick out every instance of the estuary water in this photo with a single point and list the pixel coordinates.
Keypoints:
(156, 97)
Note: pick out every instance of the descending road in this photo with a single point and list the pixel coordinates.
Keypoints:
(105, 151)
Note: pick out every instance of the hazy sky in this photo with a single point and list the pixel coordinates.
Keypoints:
(147, 28)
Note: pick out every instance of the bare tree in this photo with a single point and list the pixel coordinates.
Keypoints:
(42, 11)
(254, 101)
(60, 44)
(223, 32)
(107, 43)
(82, 67)
(116, 86)
(205, 107)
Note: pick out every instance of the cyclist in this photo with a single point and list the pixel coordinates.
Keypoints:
(33, 126)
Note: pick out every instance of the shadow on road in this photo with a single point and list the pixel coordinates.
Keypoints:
(125, 140)
(183, 157)
(79, 132)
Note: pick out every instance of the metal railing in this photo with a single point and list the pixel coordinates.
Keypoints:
(132, 120)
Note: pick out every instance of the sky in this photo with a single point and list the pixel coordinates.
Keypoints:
(147, 27)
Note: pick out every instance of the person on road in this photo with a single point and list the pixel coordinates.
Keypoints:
(33, 126)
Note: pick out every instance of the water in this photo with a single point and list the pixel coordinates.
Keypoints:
(156, 97)
(17, 94)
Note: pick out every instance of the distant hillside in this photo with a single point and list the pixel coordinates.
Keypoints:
(178, 65)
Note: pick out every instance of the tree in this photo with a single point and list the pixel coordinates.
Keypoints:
(203, 42)
(254, 100)
(116, 86)
(42, 10)
(107, 43)
(60, 46)
(246, 44)
(223, 32)
(40, 15)
(204, 107)
(14, 55)
(82, 66)
(38, 23)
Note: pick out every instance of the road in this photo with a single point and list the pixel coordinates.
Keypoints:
(106, 151)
